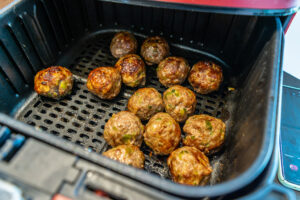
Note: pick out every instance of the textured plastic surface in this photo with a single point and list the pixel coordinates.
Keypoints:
(45, 32)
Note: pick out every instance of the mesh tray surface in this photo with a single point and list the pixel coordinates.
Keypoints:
(80, 117)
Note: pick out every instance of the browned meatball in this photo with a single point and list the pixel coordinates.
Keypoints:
(124, 128)
(154, 50)
(180, 102)
(123, 43)
(54, 82)
(172, 71)
(205, 77)
(132, 69)
(105, 82)
(162, 134)
(145, 102)
(189, 166)
(204, 132)
(127, 154)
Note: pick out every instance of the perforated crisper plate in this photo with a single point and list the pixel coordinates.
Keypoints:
(80, 117)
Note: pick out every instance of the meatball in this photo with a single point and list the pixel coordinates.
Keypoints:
(105, 82)
(145, 102)
(124, 128)
(189, 166)
(172, 71)
(123, 43)
(154, 50)
(205, 77)
(54, 82)
(127, 154)
(132, 69)
(204, 132)
(162, 134)
(180, 102)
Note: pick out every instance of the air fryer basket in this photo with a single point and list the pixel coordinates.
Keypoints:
(76, 34)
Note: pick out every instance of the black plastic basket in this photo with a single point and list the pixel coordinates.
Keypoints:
(76, 34)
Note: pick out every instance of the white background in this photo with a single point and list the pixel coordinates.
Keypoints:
(291, 58)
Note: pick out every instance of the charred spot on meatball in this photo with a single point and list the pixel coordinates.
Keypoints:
(127, 154)
(162, 134)
(189, 166)
(180, 102)
(145, 102)
(132, 69)
(204, 132)
(154, 50)
(123, 43)
(54, 82)
(172, 71)
(105, 82)
(205, 77)
(124, 128)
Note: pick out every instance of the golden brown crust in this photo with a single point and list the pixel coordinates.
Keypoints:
(124, 128)
(189, 166)
(145, 102)
(105, 82)
(204, 132)
(123, 43)
(180, 102)
(162, 134)
(205, 77)
(154, 50)
(132, 69)
(172, 71)
(54, 82)
(127, 154)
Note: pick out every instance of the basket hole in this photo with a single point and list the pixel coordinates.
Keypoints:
(221, 104)
(72, 131)
(79, 142)
(80, 118)
(43, 111)
(78, 102)
(84, 136)
(43, 128)
(96, 116)
(73, 107)
(85, 91)
(100, 110)
(158, 165)
(59, 126)
(85, 112)
(82, 97)
(209, 107)
(58, 109)
(76, 124)
(102, 126)
(63, 103)
(205, 112)
(97, 141)
(93, 101)
(120, 103)
(31, 123)
(110, 114)
(36, 117)
(106, 120)
(36, 104)
(67, 137)
(54, 132)
(69, 114)
(212, 102)
(64, 119)
(28, 113)
(88, 129)
(92, 123)
(47, 121)
(47, 105)
(89, 106)
(105, 105)
(116, 109)
(53, 115)
(99, 134)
